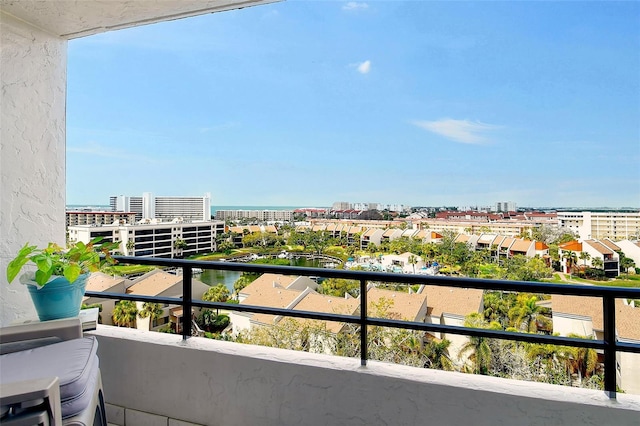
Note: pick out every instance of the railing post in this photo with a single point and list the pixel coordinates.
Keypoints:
(187, 274)
(363, 323)
(610, 370)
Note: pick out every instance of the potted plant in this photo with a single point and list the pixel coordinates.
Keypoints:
(58, 283)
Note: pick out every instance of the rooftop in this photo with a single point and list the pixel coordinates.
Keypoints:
(452, 300)
(154, 283)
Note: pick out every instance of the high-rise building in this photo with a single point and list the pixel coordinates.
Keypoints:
(165, 208)
(505, 206)
(341, 205)
(598, 225)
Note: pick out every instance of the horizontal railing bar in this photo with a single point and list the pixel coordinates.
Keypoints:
(610, 346)
(133, 297)
(483, 284)
(381, 322)
(628, 347)
(490, 334)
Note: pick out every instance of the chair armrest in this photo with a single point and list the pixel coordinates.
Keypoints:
(19, 337)
(30, 400)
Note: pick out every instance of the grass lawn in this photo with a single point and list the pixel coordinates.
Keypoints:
(130, 269)
(623, 281)
(556, 279)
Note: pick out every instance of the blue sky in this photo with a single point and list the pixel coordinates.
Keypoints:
(304, 103)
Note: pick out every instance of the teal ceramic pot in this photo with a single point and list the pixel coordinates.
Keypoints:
(58, 298)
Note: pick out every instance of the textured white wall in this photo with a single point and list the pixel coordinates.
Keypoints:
(32, 150)
(630, 380)
(221, 383)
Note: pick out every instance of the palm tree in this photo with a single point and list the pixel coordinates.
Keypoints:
(580, 361)
(130, 246)
(526, 313)
(413, 260)
(153, 311)
(584, 256)
(625, 263)
(179, 243)
(217, 293)
(125, 313)
(597, 262)
(480, 351)
(241, 283)
(437, 353)
(571, 258)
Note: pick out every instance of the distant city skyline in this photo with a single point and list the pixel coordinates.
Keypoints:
(416, 103)
(298, 206)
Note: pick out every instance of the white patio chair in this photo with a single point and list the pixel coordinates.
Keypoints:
(49, 375)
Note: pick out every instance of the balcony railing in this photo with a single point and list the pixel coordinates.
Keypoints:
(609, 344)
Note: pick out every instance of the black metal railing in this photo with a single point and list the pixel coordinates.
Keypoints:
(609, 345)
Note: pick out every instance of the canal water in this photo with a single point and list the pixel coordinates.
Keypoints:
(228, 278)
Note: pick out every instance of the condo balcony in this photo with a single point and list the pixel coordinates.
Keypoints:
(155, 378)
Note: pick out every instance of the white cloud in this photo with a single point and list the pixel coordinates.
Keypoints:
(463, 131)
(364, 67)
(352, 5)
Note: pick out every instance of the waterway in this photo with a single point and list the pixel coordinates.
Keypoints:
(228, 278)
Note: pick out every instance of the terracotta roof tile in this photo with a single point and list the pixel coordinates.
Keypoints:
(507, 242)
(453, 300)
(571, 246)
(521, 245)
(610, 244)
(99, 281)
(599, 246)
(541, 246)
(405, 306)
(462, 238)
(315, 302)
(267, 281)
(627, 317)
(153, 283)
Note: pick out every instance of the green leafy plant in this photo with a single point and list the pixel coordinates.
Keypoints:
(78, 259)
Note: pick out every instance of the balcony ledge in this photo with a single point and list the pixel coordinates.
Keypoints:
(206, 381)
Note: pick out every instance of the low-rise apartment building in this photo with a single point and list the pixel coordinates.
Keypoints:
(631, 249)
(583, 253)
(502, 246)
(163, 284)
(584, 316)
(82, 217)
(157, 239)
(450, 306)
(259, 215)
(101, 282)
(432, 304)
(510, 228)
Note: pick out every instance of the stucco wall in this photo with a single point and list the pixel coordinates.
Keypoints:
(222, 383)
(32, 149)
(630, 380)
(565, 324)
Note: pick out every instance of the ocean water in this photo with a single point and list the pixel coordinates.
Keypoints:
(215, 208)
